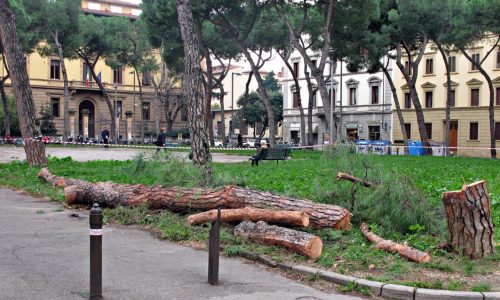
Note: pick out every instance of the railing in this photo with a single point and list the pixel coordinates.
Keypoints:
(85, 84)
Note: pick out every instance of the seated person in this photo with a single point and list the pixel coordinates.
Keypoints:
(261, 153)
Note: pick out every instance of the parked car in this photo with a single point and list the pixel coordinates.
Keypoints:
(247, 143)
(218, 143)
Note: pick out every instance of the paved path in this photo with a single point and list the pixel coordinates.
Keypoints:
(86, 153)
(44, 254)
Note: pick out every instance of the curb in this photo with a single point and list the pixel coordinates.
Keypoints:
(391, 291)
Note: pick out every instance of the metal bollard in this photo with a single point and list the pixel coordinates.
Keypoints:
(213, 251)
(95, 221)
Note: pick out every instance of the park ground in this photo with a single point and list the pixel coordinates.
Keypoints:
(311, 174)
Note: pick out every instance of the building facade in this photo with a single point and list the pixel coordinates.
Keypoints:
(470, 99)
(88, 110)
(362, 104)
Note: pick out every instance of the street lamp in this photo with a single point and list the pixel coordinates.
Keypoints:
(231, 127)
(331, 101)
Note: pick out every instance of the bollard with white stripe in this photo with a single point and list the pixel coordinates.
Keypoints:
(95, 220)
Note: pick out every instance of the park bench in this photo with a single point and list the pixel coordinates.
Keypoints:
(276, 154)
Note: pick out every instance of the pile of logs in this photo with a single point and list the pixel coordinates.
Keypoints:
(239, 205)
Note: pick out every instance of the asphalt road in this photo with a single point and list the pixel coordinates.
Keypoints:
(86, 153)
(44, 254)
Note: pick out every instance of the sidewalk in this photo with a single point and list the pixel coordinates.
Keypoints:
(44, 254)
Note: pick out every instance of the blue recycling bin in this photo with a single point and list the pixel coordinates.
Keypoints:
(381, 147)
(415, 148)
(363, 146)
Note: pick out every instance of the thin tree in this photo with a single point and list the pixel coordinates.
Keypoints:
(192, 85)
(35, 149)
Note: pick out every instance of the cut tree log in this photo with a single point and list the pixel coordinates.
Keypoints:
(297, 241)
(470, 225)
(390, 246)
(176, 199)
(353, 179)
(283, 217)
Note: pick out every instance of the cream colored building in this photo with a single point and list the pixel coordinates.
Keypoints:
(88, 110)
(470, 99)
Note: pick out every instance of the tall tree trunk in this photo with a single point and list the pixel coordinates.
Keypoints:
(104, 92)
(222, 114)
(35, 150)
(66, 86)
(447, 124)
(208, 95)
(491, 106)
(310, 91)
(396, 102)
(5, 106)
(245, 102)
(411, 81)
(193, 87)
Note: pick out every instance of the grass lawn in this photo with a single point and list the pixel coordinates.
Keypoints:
(309, 175)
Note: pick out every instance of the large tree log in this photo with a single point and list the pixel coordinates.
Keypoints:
(298, 241)
(469, 219)
(176, 199)
(284, 217)
(390, 246)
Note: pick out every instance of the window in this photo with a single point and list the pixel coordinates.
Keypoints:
(146, 79)
(314, 99)
(473, 131)
(408, 67)
(452, 64)
(375, 94)
(55, 69)
(474, 97)
(452, 102)
(295, 69)
(94, 6)
(119, 108)
(146, 110)
(428, 99)
(407, 100)
(428, 128)
(498, 58)
(117, 75)
(87, 76)
(55, 104)
(184, 115)
(498, 96)
(497, 131)
(352, 96)
(374, 133)
(296, 96)
(429, 66)
(116, 9)
(314, 62)
(408, 130)
(477, 59)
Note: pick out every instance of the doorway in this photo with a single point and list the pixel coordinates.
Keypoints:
(87, 104)
(352, 134)
(453, 136)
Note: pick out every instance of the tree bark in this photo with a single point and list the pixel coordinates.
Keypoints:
(311, 92)
(66, 86)
(353, 179)
(176, 199)
(5, 106)
(390, 246)
(35, 150)
(297, 241)
(192, 86)
(468, 213)
(208, 95)
(287, 217)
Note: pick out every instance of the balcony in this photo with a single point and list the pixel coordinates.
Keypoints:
(83, 85)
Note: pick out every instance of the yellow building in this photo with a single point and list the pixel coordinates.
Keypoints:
(88, 111)
(470, 99)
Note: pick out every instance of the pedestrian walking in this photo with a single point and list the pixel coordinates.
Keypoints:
(160, 140)
(240, 141)
(105, 137)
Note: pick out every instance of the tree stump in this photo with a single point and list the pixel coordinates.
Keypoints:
(468, 213)
(297, 241)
